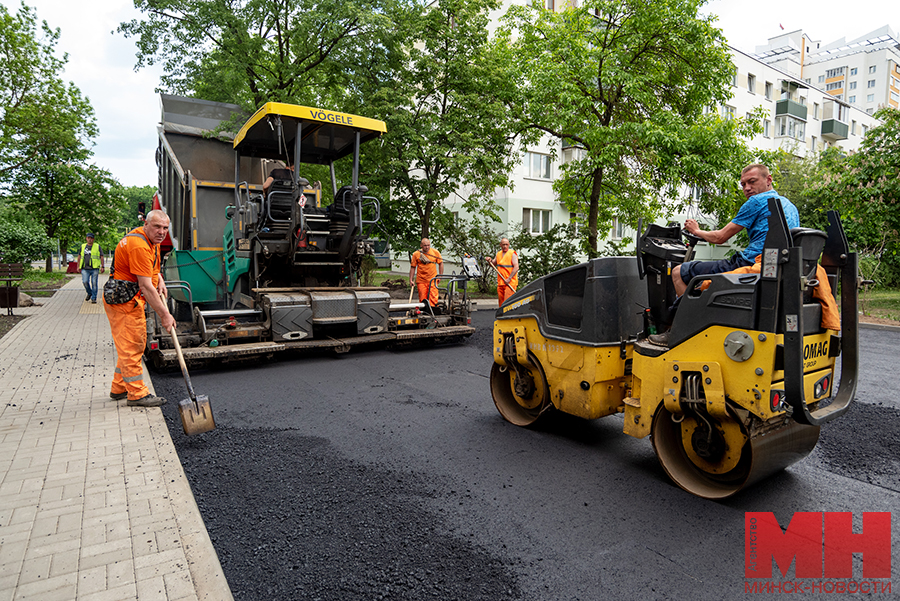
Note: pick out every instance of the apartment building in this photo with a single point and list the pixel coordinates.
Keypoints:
(864, 72)
(803, 116)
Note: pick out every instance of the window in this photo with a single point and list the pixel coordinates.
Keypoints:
(787, 126)
(821, 79)
(537, 165)
(536, 221)
(851, 99)
(564, 292)
(852, 85)
(767, 128)
(815, 110)
(574, 223)
(812, 143)
(751, 83)
(734, 79)
(834, 86)
(872, 69)
(834, 72)
(870, 98)
(865, 129)
(768, 90)
(727, 112)
(870, 111)
(617, 232)
(870, 83)
(895, 96)
(853, 71)
(895, 83)
(853, 127)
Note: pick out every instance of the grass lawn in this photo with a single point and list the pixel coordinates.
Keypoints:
(382, 275)
(880, 303)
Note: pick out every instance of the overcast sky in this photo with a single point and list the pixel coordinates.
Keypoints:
(101, 61)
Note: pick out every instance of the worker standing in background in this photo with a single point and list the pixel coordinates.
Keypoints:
(507, 265)
(424, 266)
(90, 262)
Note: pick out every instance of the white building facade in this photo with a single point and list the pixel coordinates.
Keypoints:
(802, 117)
(864, 72)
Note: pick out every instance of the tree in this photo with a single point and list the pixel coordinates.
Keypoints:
(450, 134)
(68, 198)
(250, 52)
(36, 103)
(549, 252)
(21, 238)
(626, 85)
(865, 187)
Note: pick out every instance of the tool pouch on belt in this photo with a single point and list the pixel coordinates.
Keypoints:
(116, 292)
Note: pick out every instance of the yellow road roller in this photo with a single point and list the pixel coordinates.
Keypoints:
(747, 377)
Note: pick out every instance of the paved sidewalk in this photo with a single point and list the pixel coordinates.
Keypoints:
(94, 504)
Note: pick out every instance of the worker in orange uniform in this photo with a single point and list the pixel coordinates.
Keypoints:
(425, 265)
(507, 265)
(137, 259)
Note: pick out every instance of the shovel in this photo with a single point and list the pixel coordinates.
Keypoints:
(196, 412)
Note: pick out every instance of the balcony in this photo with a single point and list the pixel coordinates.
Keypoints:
(789, 107)
(834, 130)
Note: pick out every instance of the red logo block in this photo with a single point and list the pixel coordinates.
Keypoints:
(822, 544)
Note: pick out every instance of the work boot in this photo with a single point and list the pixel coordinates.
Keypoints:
(147, 401)
(660, 339)
(118, 396)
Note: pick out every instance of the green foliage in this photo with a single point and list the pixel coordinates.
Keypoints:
(133, 195)
(259, 51)
(865, 188)
(368, 267)
(549, 252)
(450, 134)
(628, 83)
(35, 102)
(22, 240)
(477, 238)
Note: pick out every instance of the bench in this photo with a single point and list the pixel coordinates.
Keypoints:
(9, 294)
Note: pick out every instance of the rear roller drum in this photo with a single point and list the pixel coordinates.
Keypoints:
(714, 460)
(520, 397)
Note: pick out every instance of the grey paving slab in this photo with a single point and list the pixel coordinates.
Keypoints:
(94, 503)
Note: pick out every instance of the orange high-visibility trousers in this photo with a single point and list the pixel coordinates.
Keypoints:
(425, 293)
(504, 291)
(128, 325)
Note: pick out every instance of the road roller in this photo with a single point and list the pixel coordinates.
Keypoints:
(747, 376)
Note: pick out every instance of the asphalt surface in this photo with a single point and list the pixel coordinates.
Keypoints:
(390, 475)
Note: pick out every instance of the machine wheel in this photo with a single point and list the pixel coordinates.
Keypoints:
(676, 448)
(521, 410)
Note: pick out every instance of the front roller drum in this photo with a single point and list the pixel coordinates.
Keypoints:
(759, 458)
(521, 398)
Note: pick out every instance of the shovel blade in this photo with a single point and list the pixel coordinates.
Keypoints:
(196, 419)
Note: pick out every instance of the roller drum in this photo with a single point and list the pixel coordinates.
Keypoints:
(761, 457)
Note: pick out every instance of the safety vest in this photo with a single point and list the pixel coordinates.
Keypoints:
(505, 267)
(95, 256)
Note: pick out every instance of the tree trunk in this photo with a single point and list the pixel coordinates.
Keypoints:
(594, 210)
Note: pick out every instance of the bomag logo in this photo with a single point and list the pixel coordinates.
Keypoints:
(815, 350)
(520, 303)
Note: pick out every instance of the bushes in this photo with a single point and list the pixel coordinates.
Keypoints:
(22, 240)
